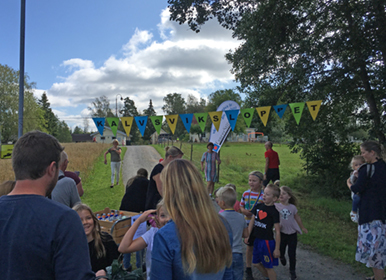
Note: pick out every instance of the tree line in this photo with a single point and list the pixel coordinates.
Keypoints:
(37, 112)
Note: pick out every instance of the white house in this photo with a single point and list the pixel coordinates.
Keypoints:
(108, 136)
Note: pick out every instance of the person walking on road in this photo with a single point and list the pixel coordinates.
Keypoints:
(115, 152)
(272, 163)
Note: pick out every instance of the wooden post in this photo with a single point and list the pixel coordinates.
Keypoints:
(191, 152)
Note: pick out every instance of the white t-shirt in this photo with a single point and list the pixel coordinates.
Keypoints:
(288, 224)
(148, 237)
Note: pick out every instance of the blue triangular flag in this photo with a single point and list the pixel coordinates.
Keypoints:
(141, 123)
(187, 120)
(232, 117)
(280, 109)
(100, 124)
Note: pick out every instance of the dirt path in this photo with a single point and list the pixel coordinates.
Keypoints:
(310, 265)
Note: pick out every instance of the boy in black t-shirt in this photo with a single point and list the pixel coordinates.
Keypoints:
(266, 249)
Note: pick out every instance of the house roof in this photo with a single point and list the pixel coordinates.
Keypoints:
(108, 128)
(81, 138)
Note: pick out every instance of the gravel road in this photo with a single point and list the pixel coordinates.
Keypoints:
(310, 265)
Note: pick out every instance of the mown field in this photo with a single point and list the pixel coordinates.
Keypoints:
(331, 231)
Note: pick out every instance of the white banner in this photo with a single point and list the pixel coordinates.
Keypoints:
(219, 137)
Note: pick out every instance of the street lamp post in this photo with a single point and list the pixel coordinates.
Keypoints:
(116, 104)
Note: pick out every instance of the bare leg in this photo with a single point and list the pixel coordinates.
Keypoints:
(378, 273)
(262, 269)
(271, 273)
(210, 187)
(248, 256)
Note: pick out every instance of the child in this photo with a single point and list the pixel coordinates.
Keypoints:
(356, 162)
(236, 206)
(226, 198)
(249, 198)
(290, 226)
(128, 245)
(265, 247)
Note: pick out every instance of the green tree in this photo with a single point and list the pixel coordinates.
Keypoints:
(130, 110)
(64, 133)
(101, 108)
(9, 105)
(174, 103)
(304, 50)
(193, 105)
(51, 121)
(149, 130)
(77, 130)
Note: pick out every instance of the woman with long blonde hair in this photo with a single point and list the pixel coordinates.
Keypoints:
(196, 243)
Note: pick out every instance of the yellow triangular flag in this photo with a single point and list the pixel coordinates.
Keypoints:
(263, 113)
(172, 122)
(216, 118)
(127, 123)
(313, 107)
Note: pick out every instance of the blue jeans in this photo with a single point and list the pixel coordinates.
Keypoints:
(138, 257)
(237, 266)
(355, 201)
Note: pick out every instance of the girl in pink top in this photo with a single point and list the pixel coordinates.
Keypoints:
(290, 226)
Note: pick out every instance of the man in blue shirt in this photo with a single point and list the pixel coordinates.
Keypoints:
(40, 238)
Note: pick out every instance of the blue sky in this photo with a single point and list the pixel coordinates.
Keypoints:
(79, 50)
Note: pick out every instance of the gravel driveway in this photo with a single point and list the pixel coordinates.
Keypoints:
(310, 265)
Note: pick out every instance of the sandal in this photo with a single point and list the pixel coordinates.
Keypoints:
(354, 218)
(373, 278)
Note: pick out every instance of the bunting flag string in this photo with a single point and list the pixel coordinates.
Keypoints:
(216, 117)
(141, 123)
(157, 122)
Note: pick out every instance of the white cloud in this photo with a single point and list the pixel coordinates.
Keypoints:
(182, 62)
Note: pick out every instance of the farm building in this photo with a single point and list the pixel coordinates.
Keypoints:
(108, 136)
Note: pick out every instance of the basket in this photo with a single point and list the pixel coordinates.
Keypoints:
(117, 229)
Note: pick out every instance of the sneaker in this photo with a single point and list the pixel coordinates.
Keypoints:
(293, 275)
(354, 217)
(112, 186)
(283, 261)
(248, 274)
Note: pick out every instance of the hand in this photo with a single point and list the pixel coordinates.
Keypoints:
(146, 216)
(265, 177)
(304, 230)
(105, 161)
(219, 161)
(202, 168)
(100, 273)
(349, 183)
(246, 240)
(276, 253)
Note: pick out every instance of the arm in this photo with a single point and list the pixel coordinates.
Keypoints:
(127, 244)
(202, 166)
(74, 196)
(360, 184)
(80, 188)
(299, 221)
(276, 252)
(158, 182)
(118, 150)
(245, 212)
(245, 233)
(69, 237)
(266, 167)
(105, 155)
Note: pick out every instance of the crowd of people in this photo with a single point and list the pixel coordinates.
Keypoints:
(48, 233)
